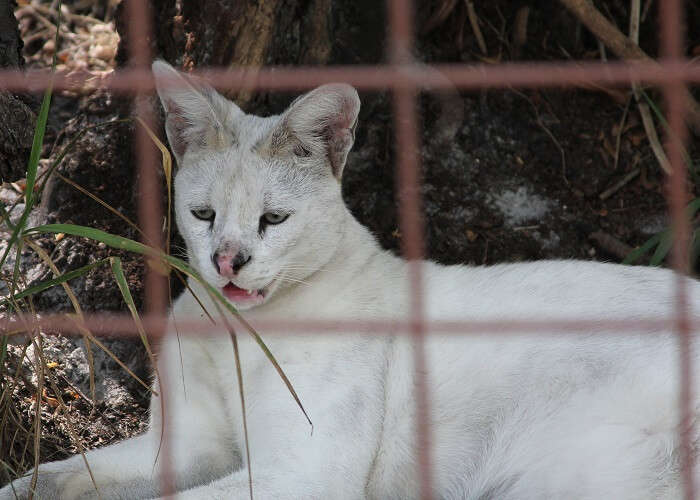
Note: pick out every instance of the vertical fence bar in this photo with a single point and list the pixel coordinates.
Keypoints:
(411, 224)
(672, 36)
(150, 212)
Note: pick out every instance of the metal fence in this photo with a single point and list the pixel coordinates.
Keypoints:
(406, 79)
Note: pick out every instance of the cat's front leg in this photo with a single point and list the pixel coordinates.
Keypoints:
(199, 448)
(121, 464)
(128, 469)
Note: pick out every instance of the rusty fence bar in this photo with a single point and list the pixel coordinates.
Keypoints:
(150, 213)
(672, 31)
(461, 76)
(123, 325)
(405, 78)
(411, 225)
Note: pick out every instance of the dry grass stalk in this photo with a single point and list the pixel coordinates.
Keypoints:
(643, 106)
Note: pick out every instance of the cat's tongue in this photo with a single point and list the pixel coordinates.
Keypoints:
(236, 294)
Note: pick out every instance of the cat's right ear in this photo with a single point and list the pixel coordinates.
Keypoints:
(197, 117)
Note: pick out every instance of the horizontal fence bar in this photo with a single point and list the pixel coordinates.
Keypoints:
(429, 77)
(123, 325)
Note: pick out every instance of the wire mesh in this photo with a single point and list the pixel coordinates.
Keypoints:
(406, 79)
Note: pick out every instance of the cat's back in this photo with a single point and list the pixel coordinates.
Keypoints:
(552, 289)
(514, 410)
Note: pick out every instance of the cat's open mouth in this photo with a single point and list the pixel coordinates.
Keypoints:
(242, 296)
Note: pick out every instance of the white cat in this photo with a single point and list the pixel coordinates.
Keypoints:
(258, 201)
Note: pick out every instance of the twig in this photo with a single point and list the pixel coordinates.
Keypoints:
(77, 391)
(618, 139)
(557, 144)
(597, 23)
(76, 18)
(41, 34)
(610, 244)
(619, 184)
(634, 22)
(474, 21)
(443, 11)
(549, 133)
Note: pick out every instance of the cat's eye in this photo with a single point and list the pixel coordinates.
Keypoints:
(301, 151)
(204, 214)
(274, 217)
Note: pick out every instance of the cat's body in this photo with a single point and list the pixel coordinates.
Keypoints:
(519, 416)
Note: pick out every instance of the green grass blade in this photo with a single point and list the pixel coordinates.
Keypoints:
(120, 278)
(15, 270)
(118, 272)
(5, 218)
(241, 395)
(663, 239)
(662, 250)
(37, 145)
(694, 248)
(111, 240)
(270, 357)
(182, 266)
(637, 253)
(120, 242)
(33, 164)
(40, 287)
(693, 208)
(3, 354)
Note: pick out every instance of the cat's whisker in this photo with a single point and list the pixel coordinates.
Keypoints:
(293, 280)
(312, 269)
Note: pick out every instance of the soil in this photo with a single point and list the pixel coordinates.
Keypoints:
(508, 175)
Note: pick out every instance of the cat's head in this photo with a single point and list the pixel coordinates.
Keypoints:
(257, 200)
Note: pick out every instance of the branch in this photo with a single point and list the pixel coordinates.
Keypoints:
(622, 46)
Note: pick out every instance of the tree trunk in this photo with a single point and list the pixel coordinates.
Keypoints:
(253, 33)
(16, 118)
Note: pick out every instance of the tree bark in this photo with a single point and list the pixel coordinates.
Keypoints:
(16, 118)
(253, 33)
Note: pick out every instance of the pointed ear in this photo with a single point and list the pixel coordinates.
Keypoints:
(197, 117)
(322, 123)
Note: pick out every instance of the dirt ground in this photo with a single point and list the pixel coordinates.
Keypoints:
(508, 175)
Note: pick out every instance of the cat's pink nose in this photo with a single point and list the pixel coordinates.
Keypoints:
(228, 265)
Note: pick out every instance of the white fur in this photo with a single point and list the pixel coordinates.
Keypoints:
(523, 416)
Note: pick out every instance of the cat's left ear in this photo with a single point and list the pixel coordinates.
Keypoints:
(321, 122)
